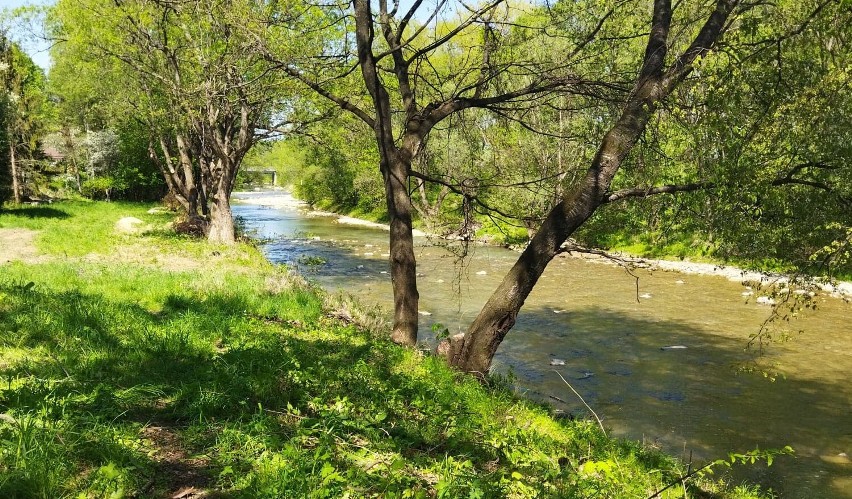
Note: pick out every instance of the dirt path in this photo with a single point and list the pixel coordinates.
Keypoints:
(18, 244)
(178, 475)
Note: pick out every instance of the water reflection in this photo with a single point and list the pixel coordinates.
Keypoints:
(585, 318)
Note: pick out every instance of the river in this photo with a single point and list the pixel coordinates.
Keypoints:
(583, 320)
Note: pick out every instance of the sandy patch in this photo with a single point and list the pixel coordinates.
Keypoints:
(19, 244)
(361, 222)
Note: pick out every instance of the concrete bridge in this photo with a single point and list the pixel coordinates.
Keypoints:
(267, 174)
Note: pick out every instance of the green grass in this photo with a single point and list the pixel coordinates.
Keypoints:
(76, 228)
(121, 380)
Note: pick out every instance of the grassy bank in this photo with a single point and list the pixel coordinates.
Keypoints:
(151, 365)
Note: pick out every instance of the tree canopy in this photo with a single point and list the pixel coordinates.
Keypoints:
(714, 128)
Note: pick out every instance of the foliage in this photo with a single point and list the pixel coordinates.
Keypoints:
(25, 109)
(187, 77)
(133, 380)
(761, 121)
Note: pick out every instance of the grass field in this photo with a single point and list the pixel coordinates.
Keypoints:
(153, 365)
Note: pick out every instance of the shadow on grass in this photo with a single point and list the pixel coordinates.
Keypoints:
(38, 212)
(234, 387)
(214, 392)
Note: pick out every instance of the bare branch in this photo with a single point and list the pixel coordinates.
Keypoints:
(643, 192)
(343, 103)
(702, 44)
(460, 191)
(453, 32)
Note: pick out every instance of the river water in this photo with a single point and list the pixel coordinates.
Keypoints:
(585, 318)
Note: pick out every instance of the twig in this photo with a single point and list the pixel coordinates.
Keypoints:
(583, 401)
(681, 479)
(554, 397)
(627, 264)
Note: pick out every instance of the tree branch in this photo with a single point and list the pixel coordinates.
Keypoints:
(643, 192)
(343, 103)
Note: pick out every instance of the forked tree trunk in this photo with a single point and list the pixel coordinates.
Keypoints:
(221, 227)
(395, 166)
(181, 187)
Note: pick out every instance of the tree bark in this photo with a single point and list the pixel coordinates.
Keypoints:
(221, 228)
(190, 185)
(16, 186)
(403, 266)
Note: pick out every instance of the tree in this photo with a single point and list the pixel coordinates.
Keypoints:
(5, 110)
(24, 105)
(593, 56)
(399, 119)
(188, 78)
(655, 81)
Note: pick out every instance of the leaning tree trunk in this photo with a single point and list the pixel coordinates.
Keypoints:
(403, 266)
(474, 350)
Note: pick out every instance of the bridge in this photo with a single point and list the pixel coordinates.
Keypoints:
(263, 175)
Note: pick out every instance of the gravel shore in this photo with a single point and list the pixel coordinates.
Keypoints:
(285, 200)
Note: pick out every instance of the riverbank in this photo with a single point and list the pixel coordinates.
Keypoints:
(285, 200)
(777, 283)
(149, 364)
(781, 283)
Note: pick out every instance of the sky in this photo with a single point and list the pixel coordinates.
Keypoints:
(36, 47)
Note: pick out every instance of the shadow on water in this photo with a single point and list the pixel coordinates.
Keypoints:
(692, 401)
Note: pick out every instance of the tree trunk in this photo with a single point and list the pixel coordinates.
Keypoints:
(16, 186)
(403, 266)
(221, 227)
(395, 166)
(182, 188)
(71, 154)
(474, 351)
(189, 182)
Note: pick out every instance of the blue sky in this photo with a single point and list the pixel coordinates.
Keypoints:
(36, 48)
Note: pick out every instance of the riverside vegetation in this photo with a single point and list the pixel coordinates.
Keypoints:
(155, 365)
